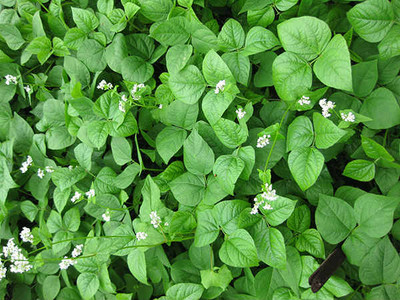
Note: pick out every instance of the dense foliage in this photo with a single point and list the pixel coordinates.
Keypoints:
(197, 149)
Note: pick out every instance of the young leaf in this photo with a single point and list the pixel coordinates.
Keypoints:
(360, 169)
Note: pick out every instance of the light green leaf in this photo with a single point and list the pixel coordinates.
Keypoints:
(136, 69)
(97, 133)
(258, 40)
(239, 66)
(171, 32)
(177, 57)
(88, 284)
(231, 36)
(92, 54)
(327, 133)
(230, 133)
(375, 150)
(306, 36)
(227, 169)
(360, 169)
(51, 287)
(365, 76)
(137, 264)
(198, 157)
(188, 188)
(371, 19)
(185, 291)
(311, 242)
(305, 164)
(169, 141)
(41, 46)
(390, 45)
(300, 133)
(85, 19)
(214, 105)
(238, 250)
(291, 75)
(227, 214)
(121, 150)
(282, 210)
(219, 278)
(207, 229)
(12, 36)
(215, 69)
(300, 220)
(340, 216)
(333, 66)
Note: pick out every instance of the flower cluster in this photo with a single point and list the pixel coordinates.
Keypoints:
(304, 100)
(240, 113)
(268, 194)
(10, 79)
(220, 86)
(49, 169)
(76, 196)
(67, 262)
(122, 102)
(106, 216)
(90, 194)
(155, 219)
(103, 85)
(20, 263)
(40, 173)
(3, 270)
(326, 106)
(141, 236)
(27, 89)
(26, 164)
(350, 117)
(26, 235)
(136, 88)
(263, 141)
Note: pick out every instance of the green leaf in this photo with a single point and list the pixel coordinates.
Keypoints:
(305, 36)
(41, 46)
(121, 150)
(177, 57)
(83, 155)
(88, 284)
(390, 45)
(136, 69)
(72, 219)
(51, 287)
(54, 222)
(187, 85)
(207, 229)
(203, 39)
(282, 210)
(358, 245)
(300, 133)
(230, 133)
(214, 105)
(171, 32)
(381, 106)
(248, 155)
(185, 291)
(340, 216)
(231, 36)
(291, 76)
(239, 66)
(198, 157)
(263, 76)
(151, 199)
(92, 54)
(360, 169)
(227, 169)
(305, 164)
(74, 38)
(381, 264)
(65, 178)
(270, 244)
(29, 210)
(97, 133)
(311, 242)
(84, 19)
(215, 69)
(219, 278)
(182, 222)
(181, 114)
(292, 273)
(371, 19)
(327, 133)
(76, 69)
(375, 150)
(227, 214)
(258, 40)
(333, 66)
(116, 52)
(300, 219)
(59, 48)
(61, 198)
(169, 141)
(137, 264)
(374, 214)
(365, 76)
(59, 138)
(12, 36)
(155, 10)
(238, 250)
(188, 188)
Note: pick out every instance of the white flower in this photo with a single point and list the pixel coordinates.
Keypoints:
(3, 271)
(66, 262)
(350, 117)
(326, 106)
(160, 106)
(141, 236)
(75, 197)
(10, 79)
(269, 193)
(49, 169)
(136, 88)
(26, 164)
(220, 86)
(27, 89)
(240, 113)
(77, 250)
(263, 141)
(166, 224)
(121, 106)
(155, 219)
(20, 263)
(103, 85)
(106, 216)
(40, 173)
(90, 194)
(304, 100)
(26, 235)
(124, 98)
(254, 210)
(70, 167)
(267, 206)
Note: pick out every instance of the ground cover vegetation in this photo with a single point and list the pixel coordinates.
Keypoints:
(194, 149)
